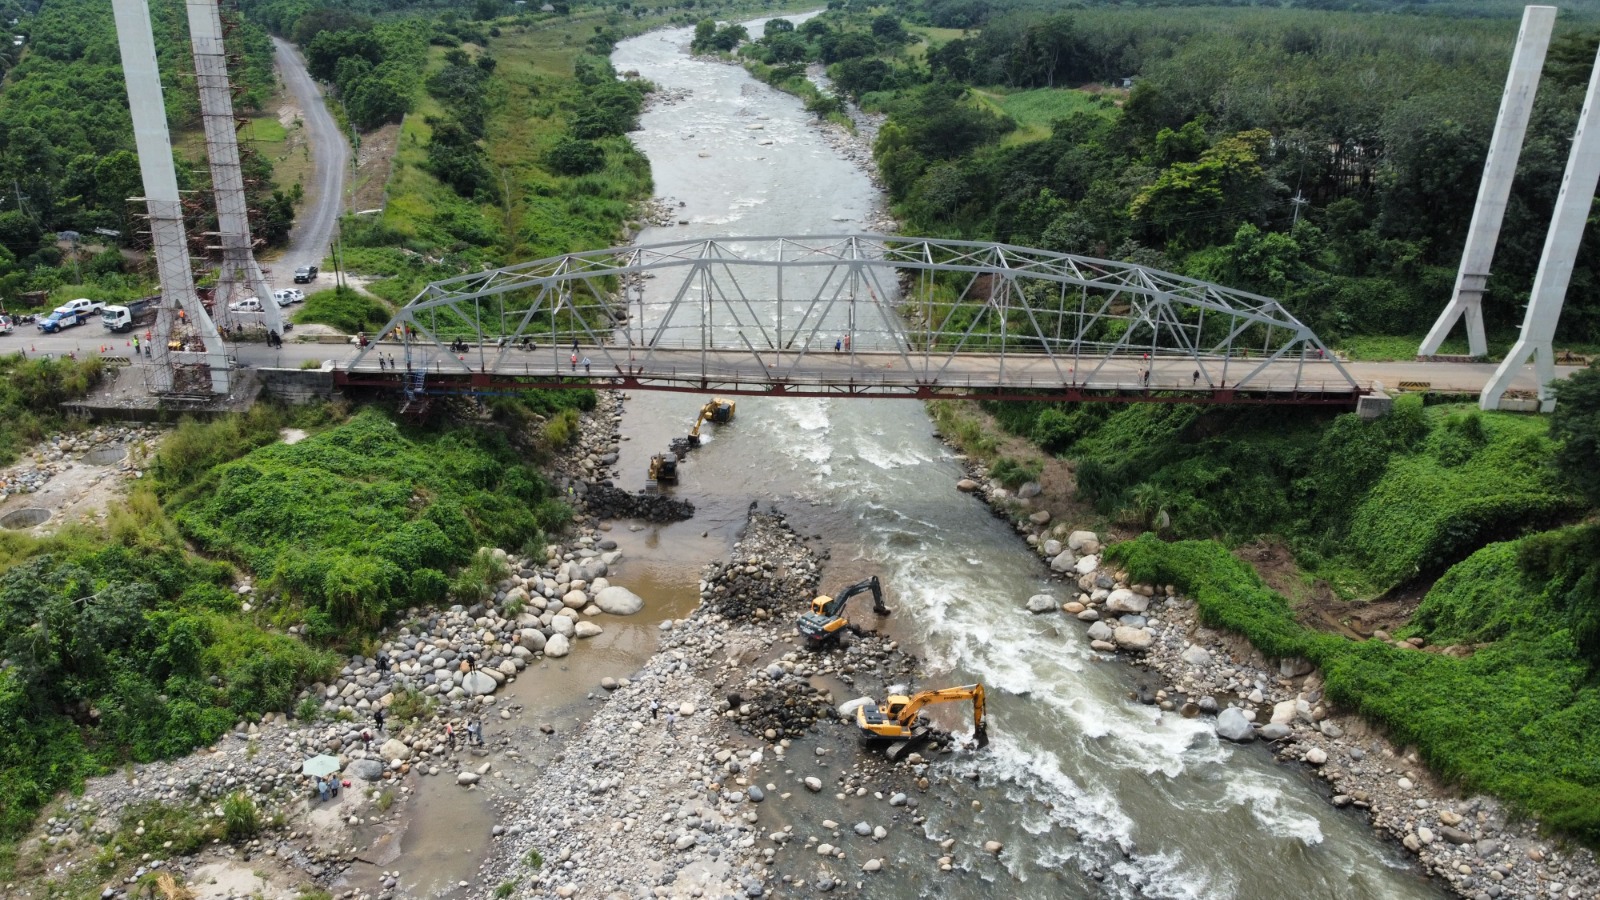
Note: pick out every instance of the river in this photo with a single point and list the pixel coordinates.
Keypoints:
(1093, 794)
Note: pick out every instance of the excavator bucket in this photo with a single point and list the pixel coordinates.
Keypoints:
(981, 733)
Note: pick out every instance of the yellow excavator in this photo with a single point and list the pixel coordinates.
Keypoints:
(664, 468)
(717, 411)
(823, 626)
(899, 719)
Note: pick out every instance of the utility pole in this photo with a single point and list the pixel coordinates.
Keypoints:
(1298, 202)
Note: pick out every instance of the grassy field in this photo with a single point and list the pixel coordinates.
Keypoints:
(285, 148)
(1035, 110)
(931, 38)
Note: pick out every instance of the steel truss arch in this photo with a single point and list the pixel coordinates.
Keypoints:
(858, 315)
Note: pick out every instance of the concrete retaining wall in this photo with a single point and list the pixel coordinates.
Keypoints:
(298, 386)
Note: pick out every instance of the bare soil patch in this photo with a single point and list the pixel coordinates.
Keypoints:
(374, 159)
(1314, 601)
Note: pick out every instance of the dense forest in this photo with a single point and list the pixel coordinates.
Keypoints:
(66, 145)
(1327, 159)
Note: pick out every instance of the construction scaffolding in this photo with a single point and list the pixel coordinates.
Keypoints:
(187, 354)
(239, 276)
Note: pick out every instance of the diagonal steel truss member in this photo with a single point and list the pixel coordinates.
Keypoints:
(856, 314)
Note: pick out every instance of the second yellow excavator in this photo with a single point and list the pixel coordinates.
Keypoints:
(899, 719)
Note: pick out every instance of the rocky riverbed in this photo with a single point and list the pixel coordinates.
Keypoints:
(677, 787)
(1468, 842)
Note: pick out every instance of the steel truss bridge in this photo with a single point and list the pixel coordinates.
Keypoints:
(857, 315)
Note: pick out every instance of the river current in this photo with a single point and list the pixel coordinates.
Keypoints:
(1093, 794)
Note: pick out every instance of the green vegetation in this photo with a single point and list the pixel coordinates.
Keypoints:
(1369, 505)
(240, 820)
(1254, 148)
(364, 519)
(1519, 718)
(124, 644)
(344, 308)
(31, 393)
(66, 147)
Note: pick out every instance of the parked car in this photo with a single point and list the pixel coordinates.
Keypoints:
(288, 296)
(247, 305)
(305, 274)
(6, 325)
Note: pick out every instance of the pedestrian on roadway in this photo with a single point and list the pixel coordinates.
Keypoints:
(1196, 378)
(1146, 376)
(838, 345)
(574, 360)
(586, 365)
(136, 345)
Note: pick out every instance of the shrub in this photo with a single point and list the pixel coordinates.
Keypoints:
(562, 428)
(1013, 473)
(410, 704)
(239, 817)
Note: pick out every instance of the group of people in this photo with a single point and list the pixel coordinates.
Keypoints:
(474, 734)
(328, 787)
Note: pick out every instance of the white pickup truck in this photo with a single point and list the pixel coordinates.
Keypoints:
(73, 312)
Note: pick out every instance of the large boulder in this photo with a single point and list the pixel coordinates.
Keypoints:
(1063, 562)
(1084, 541)
(1087, 564)
(618, 601)
(1233, 726)
(562, 626)
(1100, 631)
(1136, 639)
(532, 638)
(1123, 600)
(1051, 548)
(586, 629)
(1197, 656)
(392, 750)
(479, 683)
(557, 646)
(364, 769)
(1041, 603)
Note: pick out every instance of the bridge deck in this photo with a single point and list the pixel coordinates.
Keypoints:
(888, 374)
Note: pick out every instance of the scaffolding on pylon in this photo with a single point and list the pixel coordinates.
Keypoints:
(187, 354)
(238, 275)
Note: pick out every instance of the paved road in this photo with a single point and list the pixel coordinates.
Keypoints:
(330, 160)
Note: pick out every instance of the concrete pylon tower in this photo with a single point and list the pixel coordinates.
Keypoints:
(1516, 105)
(180, 318)
(239, 276)
(1538, 335)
